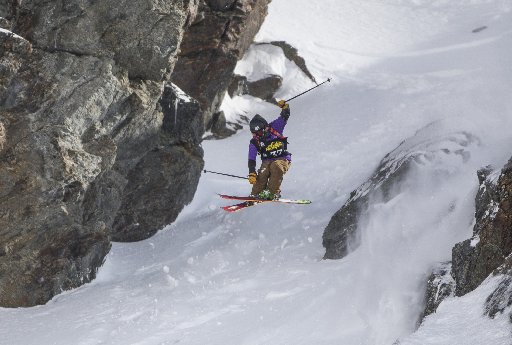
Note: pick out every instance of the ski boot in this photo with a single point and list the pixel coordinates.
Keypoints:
(268, 195)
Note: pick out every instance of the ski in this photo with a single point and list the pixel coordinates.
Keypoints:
(251, 201)
(282, 200)
(234, 197)
(240, 206)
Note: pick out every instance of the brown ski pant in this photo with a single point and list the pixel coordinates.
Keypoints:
(270, 176)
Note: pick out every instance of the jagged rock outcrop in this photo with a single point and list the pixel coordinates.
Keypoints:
(341, 235)
(218, 37)
(440, 285)
(474, 260)
(265, 88)
(95, 143)
(489, 251)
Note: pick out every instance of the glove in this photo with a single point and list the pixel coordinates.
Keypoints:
(252, 178)
(282, 104)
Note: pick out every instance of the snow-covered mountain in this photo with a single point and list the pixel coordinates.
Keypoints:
(423, 80)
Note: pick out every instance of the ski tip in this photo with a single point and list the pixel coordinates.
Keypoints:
(294, 201)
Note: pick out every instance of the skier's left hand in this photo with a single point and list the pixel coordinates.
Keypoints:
(282, 104)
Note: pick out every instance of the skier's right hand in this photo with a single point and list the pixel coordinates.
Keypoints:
(252, 177)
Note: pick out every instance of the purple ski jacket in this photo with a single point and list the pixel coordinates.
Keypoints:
(278, 125)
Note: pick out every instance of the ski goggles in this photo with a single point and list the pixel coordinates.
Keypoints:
(259, 133)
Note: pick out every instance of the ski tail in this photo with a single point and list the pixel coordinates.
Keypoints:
(240, 206)
(234, 197)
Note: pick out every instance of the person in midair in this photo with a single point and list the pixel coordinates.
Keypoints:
(268, 142)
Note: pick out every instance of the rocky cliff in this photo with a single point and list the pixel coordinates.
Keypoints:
(489, 251)
(96, 143)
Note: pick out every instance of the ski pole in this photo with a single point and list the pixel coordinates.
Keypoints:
(314, 87)
(218, 173)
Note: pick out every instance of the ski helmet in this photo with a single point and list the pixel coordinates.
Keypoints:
(257, 123)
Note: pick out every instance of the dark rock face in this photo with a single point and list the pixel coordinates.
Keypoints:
(265, 88)
(66, 178)
(45, 170)
(90, 148)
(474, 259)
(218, 37)
(489, 251)
(440, 285)
(238, 86)
(170, 171)
(341, 235)
(221, 5)
(141, 37)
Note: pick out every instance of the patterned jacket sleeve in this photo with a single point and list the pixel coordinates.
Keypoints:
(279, 123)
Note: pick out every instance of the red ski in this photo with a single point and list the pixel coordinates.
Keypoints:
(240, 206)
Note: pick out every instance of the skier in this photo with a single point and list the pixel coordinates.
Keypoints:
(269, 142)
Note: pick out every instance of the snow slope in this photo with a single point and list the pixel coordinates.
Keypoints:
(256, 277)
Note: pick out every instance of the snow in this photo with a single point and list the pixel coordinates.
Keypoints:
(180, 93)
(459, 321)
(256, 277)
(10, 33)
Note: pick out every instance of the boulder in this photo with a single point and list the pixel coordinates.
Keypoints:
(265, 88)
(389, 179)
